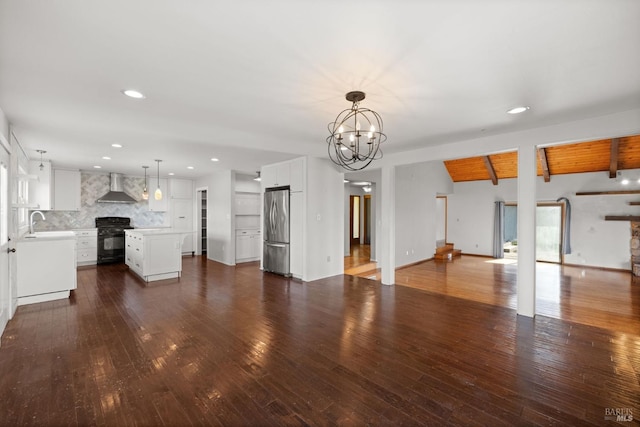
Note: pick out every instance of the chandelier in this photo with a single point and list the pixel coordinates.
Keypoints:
(355, 135)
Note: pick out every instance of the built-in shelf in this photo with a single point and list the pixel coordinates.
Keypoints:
(633, 218)
(604, 193)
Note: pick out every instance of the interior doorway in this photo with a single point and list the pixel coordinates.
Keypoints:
(201, 209)
(367, 219)
(354, 220)
(549, 232)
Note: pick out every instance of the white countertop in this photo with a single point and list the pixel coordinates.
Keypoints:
(40, 236)
(158, 231)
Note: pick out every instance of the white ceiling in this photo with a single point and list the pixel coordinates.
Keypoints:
(255, 82)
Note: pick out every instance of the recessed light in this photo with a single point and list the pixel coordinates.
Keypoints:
(97, 167)
(214, 159)
(517, 110)
(345, 180)
(106, 158)
(116, 145)
(190, 167)
(171, 173)
(361, 183)
(624, 182)
(131, 93)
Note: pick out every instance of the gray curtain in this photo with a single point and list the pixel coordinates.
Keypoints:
(566, 236)
(498, 231)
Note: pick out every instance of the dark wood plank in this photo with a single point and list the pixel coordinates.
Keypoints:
(613, 157)
(634, 218)
(604, 193)
(542, 155)
(490, 170)
(233, 346)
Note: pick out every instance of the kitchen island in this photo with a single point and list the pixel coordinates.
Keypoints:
(46, 266)
(155, 253)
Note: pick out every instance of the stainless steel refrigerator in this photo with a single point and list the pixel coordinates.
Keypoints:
(275, 253)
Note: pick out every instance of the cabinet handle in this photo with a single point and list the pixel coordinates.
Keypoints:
(11, 250)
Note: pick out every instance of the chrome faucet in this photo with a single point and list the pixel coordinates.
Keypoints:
(32, 222)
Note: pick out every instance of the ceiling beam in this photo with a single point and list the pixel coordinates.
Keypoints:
(490, 169)
(613, 159)
(542, 155)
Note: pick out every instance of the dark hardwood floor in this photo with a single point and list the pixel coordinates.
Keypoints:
(233, 346)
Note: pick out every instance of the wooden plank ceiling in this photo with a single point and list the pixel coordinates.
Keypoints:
(606, 155)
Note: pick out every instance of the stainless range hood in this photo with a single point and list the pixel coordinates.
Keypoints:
(116, 194)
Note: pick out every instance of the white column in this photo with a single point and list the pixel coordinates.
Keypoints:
(526, 284)
(386, 244)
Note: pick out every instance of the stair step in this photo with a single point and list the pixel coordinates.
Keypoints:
(444, 249)
(355, 271)
(448, 255)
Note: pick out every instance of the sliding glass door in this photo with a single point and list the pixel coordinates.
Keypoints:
(548, 232)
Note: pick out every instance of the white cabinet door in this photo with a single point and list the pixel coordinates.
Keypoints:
(296, 176)
(161, 205)
(40, 191)
(66, 190)
(243, 247)
(268, 176)
(295, 236)
(182, 219)
(181, 188)
(276, 175)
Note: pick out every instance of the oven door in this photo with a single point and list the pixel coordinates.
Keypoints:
(110, 246)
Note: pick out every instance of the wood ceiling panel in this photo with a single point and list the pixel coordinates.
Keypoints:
(505, 164)
(579, 158)
(469, 169)
(629, 152)
(592, 156)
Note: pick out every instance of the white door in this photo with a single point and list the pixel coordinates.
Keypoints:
(5, 247)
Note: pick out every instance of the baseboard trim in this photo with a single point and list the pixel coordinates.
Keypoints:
(414, 263)
(594, 267)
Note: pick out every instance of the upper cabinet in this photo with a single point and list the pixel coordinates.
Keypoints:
(66, 190)
(161, 205)
(40, 190)
(53, 189)
(181, 188)
(289, 173)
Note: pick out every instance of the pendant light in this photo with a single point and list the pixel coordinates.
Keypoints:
(41, 153)
(158, 193)
(145, 191)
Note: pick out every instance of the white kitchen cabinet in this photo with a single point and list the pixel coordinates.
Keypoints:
(161, 205)
(248, 243)
(296, 205)
(66, 190)
(275, 175)
(181, 188)
(182, 219)
(86, 246)
(40, 189)
(153, 254)
(46, 267)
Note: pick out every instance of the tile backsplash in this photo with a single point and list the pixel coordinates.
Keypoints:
(93, 186)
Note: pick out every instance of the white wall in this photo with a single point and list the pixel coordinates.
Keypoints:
(594, 241)
(246, 183)
(324, 233)
(220, 228)
(416, 188)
